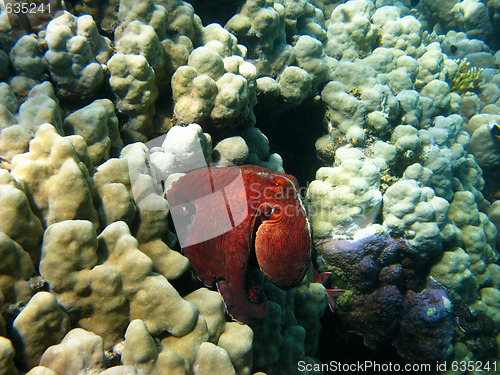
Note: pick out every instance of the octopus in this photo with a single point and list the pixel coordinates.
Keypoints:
(231, 221)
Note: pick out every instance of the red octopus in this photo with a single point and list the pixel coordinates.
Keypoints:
(229, 217)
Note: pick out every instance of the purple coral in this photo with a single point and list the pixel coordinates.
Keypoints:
(371, 260)
(373, 315)
(389, 299)
(426, 330)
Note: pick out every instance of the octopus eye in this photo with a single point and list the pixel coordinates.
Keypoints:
(276, 213)
(266, 211)
(271, 213)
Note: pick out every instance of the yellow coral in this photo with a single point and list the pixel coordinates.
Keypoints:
(434, 37)
(467, 78)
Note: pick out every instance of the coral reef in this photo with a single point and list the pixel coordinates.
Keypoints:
(56, 178)
(98, 125)
(484, 129)
(469, 16)
(28, 64)
(75, 53)
(215, 90)
(260, 25)
(40, 324)
(387, 113)
(41, 107)
(97, 266)
(427, 319)
(418, 213)
(346, 198)
(132, 80)
(115, 297)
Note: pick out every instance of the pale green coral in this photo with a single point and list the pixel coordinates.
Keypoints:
(133, 81)
(416, 213)
(349, 30)
(484, 141)
(40, 324)
(78, 351)
(345, 198)
(264, 21)
(213, 91)
(16, 217)
(56, 177)
(140, 39)
(98, 125)
(75, 53)
(7, 353)
(476, 237)
(15, 271)
(453, 271)
(121, 285)
(403, 33)
(41, 107)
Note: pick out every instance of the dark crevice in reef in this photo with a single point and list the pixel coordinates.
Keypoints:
(491, 189)
(337, 347)
(219, 11)
(292, 132)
